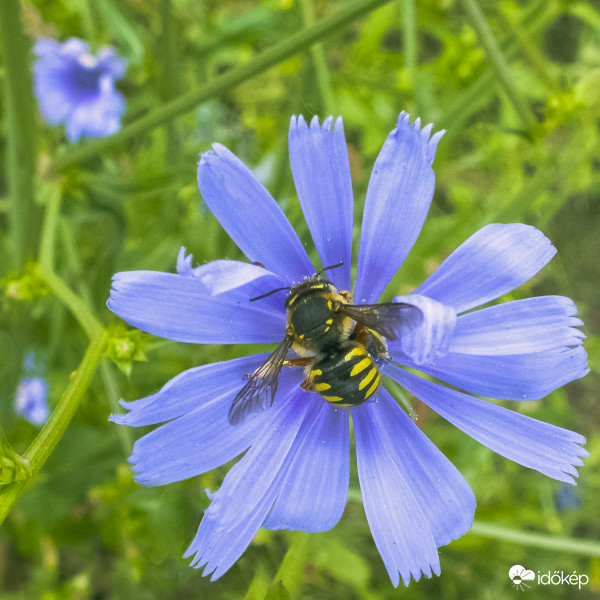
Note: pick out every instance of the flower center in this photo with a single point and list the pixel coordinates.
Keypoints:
(87, 75)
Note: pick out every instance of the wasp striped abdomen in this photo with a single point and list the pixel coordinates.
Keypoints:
(345, 376)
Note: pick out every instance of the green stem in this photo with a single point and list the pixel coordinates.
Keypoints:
(490, 45)
(87, 21)
(53, 430)
(230, 79)
(534, 56)
(459, 112)
(409, 15)
(56, 323)
(20, 133)
(112, 393)
(319, 60)
(400, 395)
(281, 170)
(259, 586)
(536, 540)
(68, 246)
(291, 567)
(169, 71)
(49, 229)
(410, 48)
(74, 303)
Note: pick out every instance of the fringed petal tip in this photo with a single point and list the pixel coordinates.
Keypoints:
(217, 151)
(298, 124)
(185, 269)
(430, 141)
(199, 553)
(567, 472)
(119, 419)
(579, 441)
(528, 235)
(427, 571)
(204, 156)
(184, 263)
(399, 574)
(142, 479)
(132, 407)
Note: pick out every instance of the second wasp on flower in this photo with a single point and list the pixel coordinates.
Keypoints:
(275, 407)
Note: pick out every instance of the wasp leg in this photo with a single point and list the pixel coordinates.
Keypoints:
(298, 362)
(307, 385)
(360, 334)
(379, 343)
(293, 362)
(302, 361)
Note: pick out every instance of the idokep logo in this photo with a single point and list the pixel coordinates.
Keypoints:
(562, 578)
(519, 575)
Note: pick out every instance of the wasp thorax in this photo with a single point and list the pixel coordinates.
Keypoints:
(314, 318)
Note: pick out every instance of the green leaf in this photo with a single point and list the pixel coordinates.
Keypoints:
(278, 591)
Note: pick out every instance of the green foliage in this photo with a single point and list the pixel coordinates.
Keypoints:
(521, 114)
(26, 286)
(125, 347)
(277, 592)
(13, 468)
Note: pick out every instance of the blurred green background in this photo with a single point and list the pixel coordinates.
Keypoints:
(515, 85)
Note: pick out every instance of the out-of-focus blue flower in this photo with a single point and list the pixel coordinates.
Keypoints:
(295, 470)
(566, 499)
(76, 88)
(31, 401)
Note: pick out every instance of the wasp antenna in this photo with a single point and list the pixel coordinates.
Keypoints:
(269, 293)
(340, 264)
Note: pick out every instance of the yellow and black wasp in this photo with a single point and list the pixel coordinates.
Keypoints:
(338, 343)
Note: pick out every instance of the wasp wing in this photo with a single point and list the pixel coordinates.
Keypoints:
(389, 320)
(258, 394)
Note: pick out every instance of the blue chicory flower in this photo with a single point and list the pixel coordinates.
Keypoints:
(31, 401)
(295, 472)
(76, 88)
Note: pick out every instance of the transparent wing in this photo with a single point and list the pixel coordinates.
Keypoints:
(258, 394)
(390, 320)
